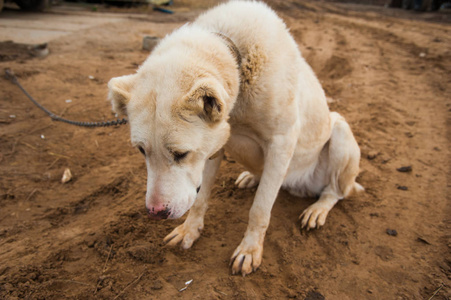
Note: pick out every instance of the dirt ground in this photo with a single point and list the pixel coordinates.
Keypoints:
(387, 71)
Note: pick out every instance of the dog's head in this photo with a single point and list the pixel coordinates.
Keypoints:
(178, 107)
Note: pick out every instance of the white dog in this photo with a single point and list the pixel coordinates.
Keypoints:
(235, 80)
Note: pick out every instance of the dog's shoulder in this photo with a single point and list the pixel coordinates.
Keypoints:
(260, 35)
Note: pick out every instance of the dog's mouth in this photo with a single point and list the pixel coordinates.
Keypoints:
(163, 214)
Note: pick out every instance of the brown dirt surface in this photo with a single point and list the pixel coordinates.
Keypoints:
(14, 51)
(90, 238)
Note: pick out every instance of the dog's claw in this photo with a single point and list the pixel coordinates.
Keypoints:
(232, 260)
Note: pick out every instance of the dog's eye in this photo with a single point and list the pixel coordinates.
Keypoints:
(178, 156)
(141, 149)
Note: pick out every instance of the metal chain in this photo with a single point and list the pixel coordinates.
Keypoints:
(10, 75)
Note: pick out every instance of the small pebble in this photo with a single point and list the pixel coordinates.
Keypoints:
(312, 295)
(156, 285)
(68, 101)
(405, 169)
(149, 42)
(372, 155)
(67, 176)
(419, 239)
(90, 243)
(392, 232)
(402, 188)
(12, 116)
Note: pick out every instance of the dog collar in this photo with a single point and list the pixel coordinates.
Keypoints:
(232, 47)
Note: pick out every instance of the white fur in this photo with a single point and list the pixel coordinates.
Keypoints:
(271, 114)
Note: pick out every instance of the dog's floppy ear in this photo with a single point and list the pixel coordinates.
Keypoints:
(205, 100)
(119, 92)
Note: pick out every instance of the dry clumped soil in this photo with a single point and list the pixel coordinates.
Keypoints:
(386, 71)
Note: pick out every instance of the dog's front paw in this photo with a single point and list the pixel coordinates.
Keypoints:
(246, 180)
(314, 216)
(184, 234)
(246, 258)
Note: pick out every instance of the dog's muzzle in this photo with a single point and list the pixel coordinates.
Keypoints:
(158, 215)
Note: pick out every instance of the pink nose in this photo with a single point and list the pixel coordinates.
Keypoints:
(158, 212)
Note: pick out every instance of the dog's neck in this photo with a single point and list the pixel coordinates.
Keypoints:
(232, 47)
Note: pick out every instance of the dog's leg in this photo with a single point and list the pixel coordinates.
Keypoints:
(248, 256)
(249, 154)
(343, 167)
(190, 230)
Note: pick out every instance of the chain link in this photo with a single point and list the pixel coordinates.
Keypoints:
(10, 75)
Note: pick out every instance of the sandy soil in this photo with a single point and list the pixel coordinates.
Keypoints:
(90, 238)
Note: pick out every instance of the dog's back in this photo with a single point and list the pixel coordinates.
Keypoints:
(273, 72)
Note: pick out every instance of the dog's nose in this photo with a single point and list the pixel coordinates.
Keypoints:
(158, 214)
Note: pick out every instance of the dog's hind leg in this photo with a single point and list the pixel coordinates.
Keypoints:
(190, 230)
(342, 161)
(248, 153)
